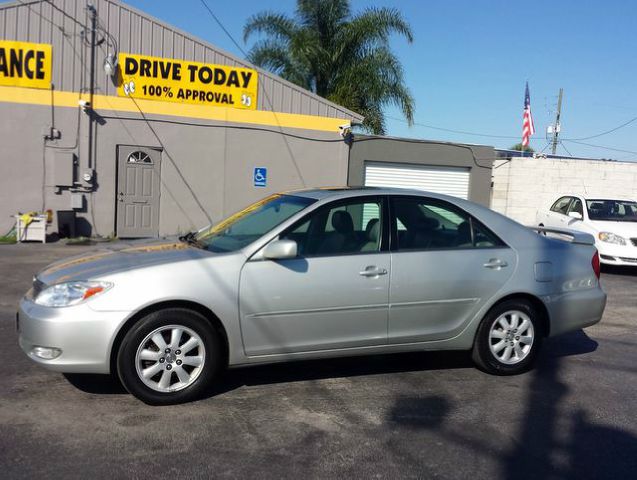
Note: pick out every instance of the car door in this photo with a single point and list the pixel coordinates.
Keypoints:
(557, 216)
(333, 295)
(445, 266)
(575, 206)
(583, 225)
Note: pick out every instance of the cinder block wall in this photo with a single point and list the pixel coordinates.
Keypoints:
(521, 186)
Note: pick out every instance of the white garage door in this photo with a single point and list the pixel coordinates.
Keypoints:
(447, 180)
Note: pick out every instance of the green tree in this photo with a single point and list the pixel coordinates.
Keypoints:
(518, 146)
(343, 57)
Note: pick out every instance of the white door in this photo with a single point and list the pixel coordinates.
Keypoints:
(557, 216)
(446, 180)
(138, 192)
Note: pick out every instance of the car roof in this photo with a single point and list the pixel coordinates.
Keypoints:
(609, 199)
(595, 197)
(322, 193)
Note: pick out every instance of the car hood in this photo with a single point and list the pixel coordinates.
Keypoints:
(118, 257)
(625, 229)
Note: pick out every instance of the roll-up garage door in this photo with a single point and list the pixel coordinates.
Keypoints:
(446, 180)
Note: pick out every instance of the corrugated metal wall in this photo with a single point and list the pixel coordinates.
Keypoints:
(60, 25)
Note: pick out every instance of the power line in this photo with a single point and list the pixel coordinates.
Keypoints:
(216, 19)
(607, 131)
(265, 93)
(433, 127)
(564, 147)
(48, 2)
(70, 17)
(504, 136)
(212, 14)
(599, 146)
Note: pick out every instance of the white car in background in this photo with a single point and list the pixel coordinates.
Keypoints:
(612, 222)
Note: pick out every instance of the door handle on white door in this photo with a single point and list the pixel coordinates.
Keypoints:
(373, 271)
(495, 263)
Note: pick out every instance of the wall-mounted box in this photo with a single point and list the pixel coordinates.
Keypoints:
(63, 169)
(77, 201)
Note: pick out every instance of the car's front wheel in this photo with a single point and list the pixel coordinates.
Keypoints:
(508, 339)
(169, 356)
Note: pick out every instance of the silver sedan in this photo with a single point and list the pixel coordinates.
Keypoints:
(312, 274)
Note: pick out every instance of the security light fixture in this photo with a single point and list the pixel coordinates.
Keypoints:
(110, 64)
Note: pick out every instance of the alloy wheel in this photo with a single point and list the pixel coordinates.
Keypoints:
(511, 337)
(170, 358)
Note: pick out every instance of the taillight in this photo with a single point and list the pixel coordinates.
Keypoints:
(595, 263)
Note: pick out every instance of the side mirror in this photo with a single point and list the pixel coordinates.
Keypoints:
(575, 215)
(280, 250)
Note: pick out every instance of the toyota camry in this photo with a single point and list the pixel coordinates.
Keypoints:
(312, 274)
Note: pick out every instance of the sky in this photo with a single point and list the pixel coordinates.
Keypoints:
(470, 59)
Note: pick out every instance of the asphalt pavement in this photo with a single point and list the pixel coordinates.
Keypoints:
(425, 415)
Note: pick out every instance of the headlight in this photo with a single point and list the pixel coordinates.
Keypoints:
(71, 293)
(611, 238)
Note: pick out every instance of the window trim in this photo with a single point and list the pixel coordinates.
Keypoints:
(384, 212)
(394, 231)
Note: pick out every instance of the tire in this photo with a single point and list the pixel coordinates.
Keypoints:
(179, 367)
(523, 345)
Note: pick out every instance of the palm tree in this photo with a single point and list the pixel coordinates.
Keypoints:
(342, 57)
(520, 147)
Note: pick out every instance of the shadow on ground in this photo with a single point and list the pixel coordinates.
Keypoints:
(299, 371)
(571, 344)
(97, 384)
(619, 270)
(552, 442)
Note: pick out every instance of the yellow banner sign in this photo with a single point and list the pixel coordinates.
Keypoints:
(24, 64)
(155, 78)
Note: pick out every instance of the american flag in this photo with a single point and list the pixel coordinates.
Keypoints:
(528, 128)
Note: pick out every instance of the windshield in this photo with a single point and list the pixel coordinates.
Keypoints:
(612, 210)
(251, 223)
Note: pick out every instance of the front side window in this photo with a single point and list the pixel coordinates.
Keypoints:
(612, 210)
(576, 206)
(561, 206)
(351, 227)
(429, 224)
(251, 223)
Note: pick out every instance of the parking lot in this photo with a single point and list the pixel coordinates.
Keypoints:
(410, 415)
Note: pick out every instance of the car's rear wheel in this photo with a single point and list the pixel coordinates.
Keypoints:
(169, 356)
(508, 339)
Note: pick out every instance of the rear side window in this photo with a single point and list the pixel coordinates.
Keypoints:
(429, 224)
(561, 206)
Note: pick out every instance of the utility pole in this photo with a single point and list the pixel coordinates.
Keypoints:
(556, 127)
(93, 14)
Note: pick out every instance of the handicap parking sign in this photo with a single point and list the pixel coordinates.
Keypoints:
(260, 176)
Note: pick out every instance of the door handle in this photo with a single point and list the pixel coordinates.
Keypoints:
(373, 271)
(495, 263)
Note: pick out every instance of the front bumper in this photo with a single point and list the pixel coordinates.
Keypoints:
(611, 254)
(84, 336)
